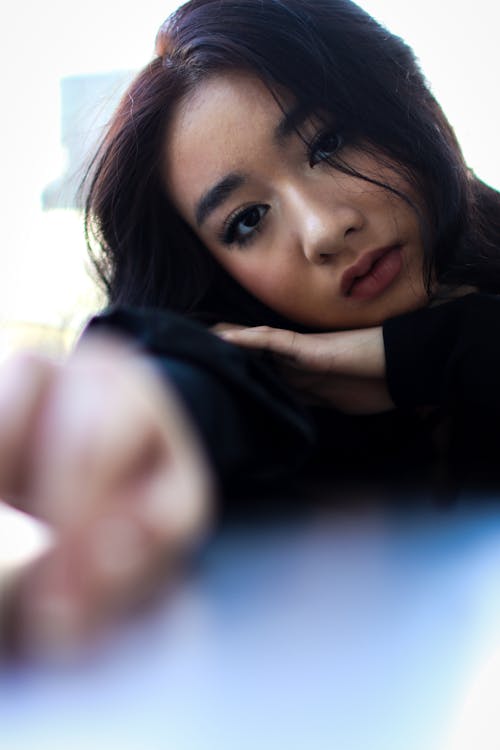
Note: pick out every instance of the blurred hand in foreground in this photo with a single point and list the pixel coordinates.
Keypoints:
(102, 450)
(345, 369)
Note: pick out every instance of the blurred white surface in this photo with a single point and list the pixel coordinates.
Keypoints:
(373, 629)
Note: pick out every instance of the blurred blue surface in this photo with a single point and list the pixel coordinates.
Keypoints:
(345, 630)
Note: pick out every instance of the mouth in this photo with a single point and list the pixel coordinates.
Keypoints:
(372, 273)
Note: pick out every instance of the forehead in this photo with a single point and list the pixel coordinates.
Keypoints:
(219, 127)
(223, 95)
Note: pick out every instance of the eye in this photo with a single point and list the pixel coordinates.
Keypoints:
(324, 146)
(241, 227)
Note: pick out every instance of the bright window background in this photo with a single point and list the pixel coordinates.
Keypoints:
(49, 48)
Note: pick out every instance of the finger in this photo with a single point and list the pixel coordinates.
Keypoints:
(357, 352)
(125, 520)
(111, 564)
(111, 423)
(91, 428)
(86, 435)
(80, 585)
(106, 568)
(220, 329)
(25, 381)
(283, 342)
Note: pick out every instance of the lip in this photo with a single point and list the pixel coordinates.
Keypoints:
(363, 268)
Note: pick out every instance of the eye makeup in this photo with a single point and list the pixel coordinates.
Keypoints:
(241, 226)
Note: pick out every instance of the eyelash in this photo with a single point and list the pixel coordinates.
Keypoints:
(229, 234)
(316, 154)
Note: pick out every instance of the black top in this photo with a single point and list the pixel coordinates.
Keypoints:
(447, 355)
(443, 371)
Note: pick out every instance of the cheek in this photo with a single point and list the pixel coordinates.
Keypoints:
(266, 279)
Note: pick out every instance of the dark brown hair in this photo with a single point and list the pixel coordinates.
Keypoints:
(334, 59)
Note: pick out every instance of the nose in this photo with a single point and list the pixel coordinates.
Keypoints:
(325, 223)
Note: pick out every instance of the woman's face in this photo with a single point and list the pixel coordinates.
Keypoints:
(322, 248)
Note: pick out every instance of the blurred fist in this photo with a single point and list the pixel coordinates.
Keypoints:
(101, 448)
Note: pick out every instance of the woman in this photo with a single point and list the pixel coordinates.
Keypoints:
(279, 171)
(360, 209)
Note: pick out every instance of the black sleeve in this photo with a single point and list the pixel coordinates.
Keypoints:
(448, 355)
(250, 424)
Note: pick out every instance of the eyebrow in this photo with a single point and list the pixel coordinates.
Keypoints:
(220, 192)
(217, 194)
